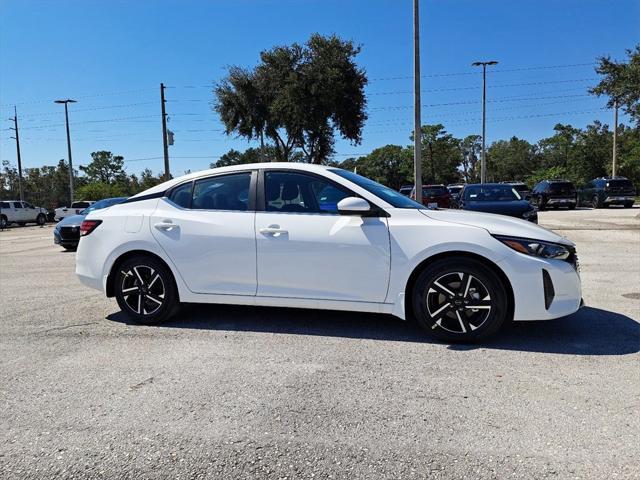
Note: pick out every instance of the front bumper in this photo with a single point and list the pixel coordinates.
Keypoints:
(525, 274)
(64, 238)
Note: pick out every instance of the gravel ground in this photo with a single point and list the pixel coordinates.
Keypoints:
(239, 392)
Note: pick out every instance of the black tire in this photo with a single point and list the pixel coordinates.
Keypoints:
(461, 284)
(542, 206)
(628, 205)
(145, 290)
(4, 223)
(41, 219)
(572, 207)
(70, 249)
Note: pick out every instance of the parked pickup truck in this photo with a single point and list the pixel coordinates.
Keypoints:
(74, 209)
(15, 211)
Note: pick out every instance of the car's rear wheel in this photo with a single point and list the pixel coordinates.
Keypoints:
(145, 290)
(628, 205)
(459, 300)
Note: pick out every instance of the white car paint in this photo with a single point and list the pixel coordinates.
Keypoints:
(75, 209)
(16, 211)
(316, 260)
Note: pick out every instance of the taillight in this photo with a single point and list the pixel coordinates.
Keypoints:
(88, 226)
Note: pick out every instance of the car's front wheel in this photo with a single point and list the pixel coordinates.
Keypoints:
(41, 220)
(145, 290)
(459, 300)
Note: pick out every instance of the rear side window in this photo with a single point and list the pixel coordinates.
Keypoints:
(181, 195)
(4, 205)
(223, 192)
(17, 205)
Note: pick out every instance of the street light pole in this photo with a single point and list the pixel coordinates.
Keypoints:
(17, 139)
(483, 161)
(417, 127)
(66, 117)
(615, 137)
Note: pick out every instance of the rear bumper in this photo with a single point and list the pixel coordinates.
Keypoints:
(619, 199)
(561, 201)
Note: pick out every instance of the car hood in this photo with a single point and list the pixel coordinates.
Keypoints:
(497, 224)
(70, 221)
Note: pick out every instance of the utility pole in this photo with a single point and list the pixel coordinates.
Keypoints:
(165, 145)
(66, 117)
(417, 121)
(17, 139)
(615, 137)
(483, 160)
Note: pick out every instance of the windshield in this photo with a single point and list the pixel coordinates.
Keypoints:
(454, 189)
(433, 191)
(623, 184)
(390, 196)
(490, 193)
(99, 205)
(520, 187)
(562, 187)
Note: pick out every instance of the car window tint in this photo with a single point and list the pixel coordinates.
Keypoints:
(297, 192)
(223, 192)
(4, 205)
(181, 195)
(17, 205)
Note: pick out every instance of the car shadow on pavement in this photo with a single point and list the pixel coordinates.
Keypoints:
(590, 331)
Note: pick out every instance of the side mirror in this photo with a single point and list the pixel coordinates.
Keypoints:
(353, 206)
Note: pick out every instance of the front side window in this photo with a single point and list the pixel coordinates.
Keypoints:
(297, 192)
(223, 192)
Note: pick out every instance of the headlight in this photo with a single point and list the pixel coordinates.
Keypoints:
(536, 248)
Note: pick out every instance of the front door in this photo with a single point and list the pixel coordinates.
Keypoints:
(206, 227)
(306, 249)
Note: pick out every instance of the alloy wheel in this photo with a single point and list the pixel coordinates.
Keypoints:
(458, 302)
(143, 289)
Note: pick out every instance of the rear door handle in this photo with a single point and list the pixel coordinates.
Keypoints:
(273, 230)
(165, 225)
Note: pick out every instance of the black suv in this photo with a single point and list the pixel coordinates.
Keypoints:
(554, 194)
(602, 192)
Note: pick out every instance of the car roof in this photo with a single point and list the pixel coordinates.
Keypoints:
(305, 167)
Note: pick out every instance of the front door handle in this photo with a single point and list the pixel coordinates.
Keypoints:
(273, 230)
(165, 225)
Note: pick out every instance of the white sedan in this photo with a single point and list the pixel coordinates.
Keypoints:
(309, 236)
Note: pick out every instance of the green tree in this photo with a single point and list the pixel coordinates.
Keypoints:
(621, 82)
(299, 97)
(105, 167)
(471, 147)
(511, 159)
(391, 165)
(441, 155)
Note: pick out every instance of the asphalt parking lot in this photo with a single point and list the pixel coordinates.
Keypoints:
(239, 392)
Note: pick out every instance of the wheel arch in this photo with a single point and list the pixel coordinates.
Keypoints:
(456, 254)
(133, 253)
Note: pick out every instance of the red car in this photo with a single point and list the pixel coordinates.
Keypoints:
(434, 196)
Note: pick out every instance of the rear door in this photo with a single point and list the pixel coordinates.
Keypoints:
(207, 229)
(306, 249)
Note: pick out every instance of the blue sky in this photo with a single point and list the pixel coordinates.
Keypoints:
(112, 55)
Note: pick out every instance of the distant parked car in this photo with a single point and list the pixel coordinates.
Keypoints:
(74, 209)
(602, 192)
(67, 231)
(520, 187)
(554, 194)
(15, 211)
(497, 198)
(434, 196)
(454, 190)
(406, 190)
